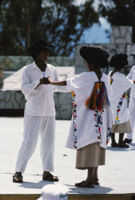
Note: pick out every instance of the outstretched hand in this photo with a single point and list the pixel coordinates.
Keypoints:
(49, 81)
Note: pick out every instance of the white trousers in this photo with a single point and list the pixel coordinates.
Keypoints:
(33, 126)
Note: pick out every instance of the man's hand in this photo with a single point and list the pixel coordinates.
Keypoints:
(44, 81)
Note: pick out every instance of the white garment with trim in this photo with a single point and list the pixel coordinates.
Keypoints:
(120, 84)
(82, 86)
(40, 100)
(131, 76)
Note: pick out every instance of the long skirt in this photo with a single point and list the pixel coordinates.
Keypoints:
(121, 128)
(90, 156)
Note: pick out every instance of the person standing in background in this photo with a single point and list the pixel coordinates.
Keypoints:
(119, 84)
(131, 76)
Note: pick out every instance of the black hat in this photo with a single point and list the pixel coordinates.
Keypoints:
(94, 55)
(119, 61)
(39, 46)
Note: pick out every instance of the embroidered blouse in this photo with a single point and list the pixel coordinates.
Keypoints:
(87, 126)
(119, 84)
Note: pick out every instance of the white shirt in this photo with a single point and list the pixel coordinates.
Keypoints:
(120, 84)
(40, 101)
(83, 130)
(131, 74)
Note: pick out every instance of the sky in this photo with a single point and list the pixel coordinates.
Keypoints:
(95, 34)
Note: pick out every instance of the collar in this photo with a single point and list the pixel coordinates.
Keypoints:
(37, 68)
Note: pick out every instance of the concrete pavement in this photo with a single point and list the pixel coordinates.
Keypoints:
(116, 177)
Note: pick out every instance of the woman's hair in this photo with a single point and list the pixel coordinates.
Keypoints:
(119, 61)
(96, 56)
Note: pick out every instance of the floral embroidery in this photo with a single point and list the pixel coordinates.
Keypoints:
(111, 80)
(99, 121)
(74, 106)
(119, 107)
(108, 135)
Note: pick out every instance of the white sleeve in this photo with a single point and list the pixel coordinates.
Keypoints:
(128, 83)
(59, 88)
(28, 87)
(131, 75)
(75, 83)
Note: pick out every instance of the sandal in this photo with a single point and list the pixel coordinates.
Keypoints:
(17, 177)
(96, 181)
(127, 140)
(123, 145)
(49, 177)
(85, 184)
(114, 145)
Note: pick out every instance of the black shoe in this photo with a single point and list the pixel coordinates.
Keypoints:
(127, 140)
(123, 145)
(47, 176)
(86, 184)
(114, 144)
(17, 177)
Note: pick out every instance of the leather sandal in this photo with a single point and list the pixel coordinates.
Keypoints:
(114, 145)
(127, 140)
(123, 145)
(96, 181)
(47, 176)
(17, 178)
(85, 184)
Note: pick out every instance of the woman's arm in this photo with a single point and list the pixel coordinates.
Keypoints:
(59, 83)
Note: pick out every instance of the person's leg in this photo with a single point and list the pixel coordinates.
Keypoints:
(114, 144)
(47, 147)
(89, 180)
(30, 137)
(90, 175)
(129, 136)
(121, 142)
(95, 179)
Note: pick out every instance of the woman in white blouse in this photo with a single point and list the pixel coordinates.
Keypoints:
(91, 120)
(131, 76)
(119, 84)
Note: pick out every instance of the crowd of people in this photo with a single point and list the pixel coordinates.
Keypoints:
(101, 107)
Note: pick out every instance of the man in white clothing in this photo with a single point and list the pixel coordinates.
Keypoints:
(39, 116)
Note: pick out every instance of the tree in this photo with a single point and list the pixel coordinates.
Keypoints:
(19, 24)
(61, 23)
(118, 12)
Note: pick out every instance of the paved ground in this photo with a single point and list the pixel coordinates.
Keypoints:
(116, 177)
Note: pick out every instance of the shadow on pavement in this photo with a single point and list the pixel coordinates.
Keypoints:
(96, 190)
(37, 185)
(72, 189)
(131, 148)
